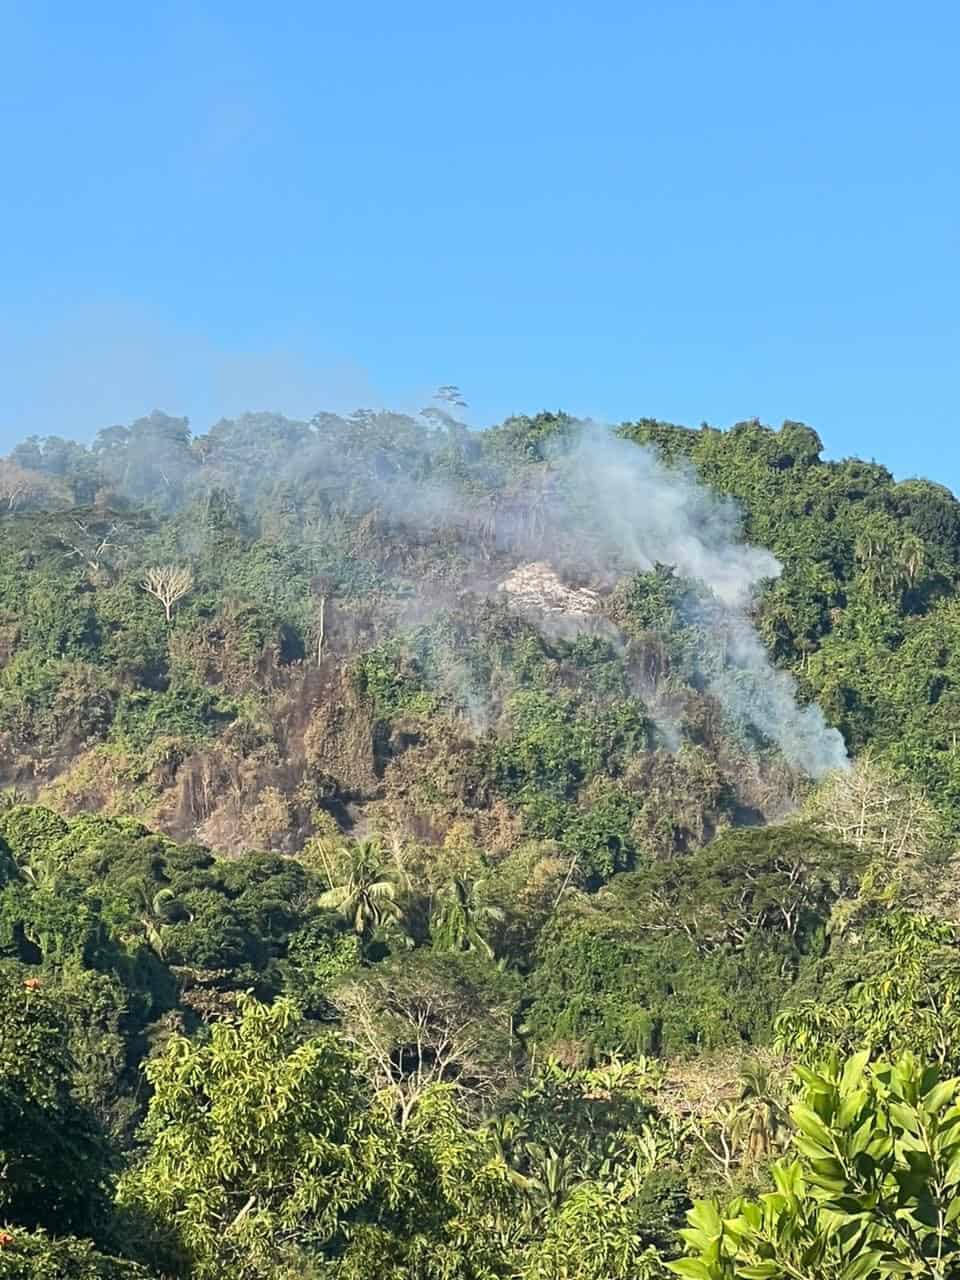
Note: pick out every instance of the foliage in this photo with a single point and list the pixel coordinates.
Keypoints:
(594, 1236)
(55, 1159)
(895, 988)
(462, 918)
(34, 1255)
(28, 830)
(873, 1190)
(254, 1142)
(184, 712)
(430, 1019)
(366, 895)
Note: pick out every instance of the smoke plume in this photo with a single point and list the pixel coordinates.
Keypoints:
(642, 513)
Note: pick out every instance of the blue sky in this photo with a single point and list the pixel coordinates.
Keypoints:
(698, 211)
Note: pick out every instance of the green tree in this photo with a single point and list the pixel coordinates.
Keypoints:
(256, 1146)
(156, 909)
(364, 888)
(894, 986)
(872, 1192)
(55, 1160)
(35, 1255)
(461, 918)
(593, 1236)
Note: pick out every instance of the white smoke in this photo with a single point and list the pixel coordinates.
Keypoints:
(646, 513)
(753, 690)
(604, 507)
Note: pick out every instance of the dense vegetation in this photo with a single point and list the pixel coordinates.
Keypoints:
(360, 917)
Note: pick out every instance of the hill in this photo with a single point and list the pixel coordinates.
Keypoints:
(467, 832)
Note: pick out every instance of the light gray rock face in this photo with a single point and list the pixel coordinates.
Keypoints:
(538, 587)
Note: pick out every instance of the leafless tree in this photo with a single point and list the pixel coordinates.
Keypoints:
(421, 1026)
(321, 587)
(96, 543)
(18, 485)
(168, 584)
(872, 809)
(892, 821)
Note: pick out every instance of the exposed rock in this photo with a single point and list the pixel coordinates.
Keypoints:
(537, 586)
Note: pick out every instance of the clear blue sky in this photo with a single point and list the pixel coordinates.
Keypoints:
(689, 210)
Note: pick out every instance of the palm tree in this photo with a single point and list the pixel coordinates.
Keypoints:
(156, 918)
(911, 558)
(889, 569)
(877, 561)
(761, 1122)
(367, 893)
(157, 909)
(462, 917)
(11, 797)
(43, 871)
(552, 1176)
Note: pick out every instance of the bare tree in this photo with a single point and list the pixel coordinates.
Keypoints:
(168, 584)
(891, 820)
(874, 810)
(20, 486)
(15, 484)
(96, 542)
(322, 587)
(425, 1024)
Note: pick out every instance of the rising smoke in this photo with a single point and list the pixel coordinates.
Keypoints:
(647, 513)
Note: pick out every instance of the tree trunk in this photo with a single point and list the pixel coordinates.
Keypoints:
(321, 629)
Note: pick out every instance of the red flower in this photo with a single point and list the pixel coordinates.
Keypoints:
(33, 984)
(5, 1239)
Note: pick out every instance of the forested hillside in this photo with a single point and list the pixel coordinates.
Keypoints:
(477, 855)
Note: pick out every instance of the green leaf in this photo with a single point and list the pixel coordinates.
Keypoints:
(693, 1269)
(851, 1107)
(905, 1117)
(939, 1095)
(705, 1215)
(810, 1124)
(853, 1071)
(862, 1265)
(813, 1150)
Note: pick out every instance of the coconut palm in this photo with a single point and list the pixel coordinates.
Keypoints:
(877, 560)
(911, 558)
(157, 908)
(366, 895)
(551, 1177)
(761, 1121)
(41, 876)
(462, 918)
